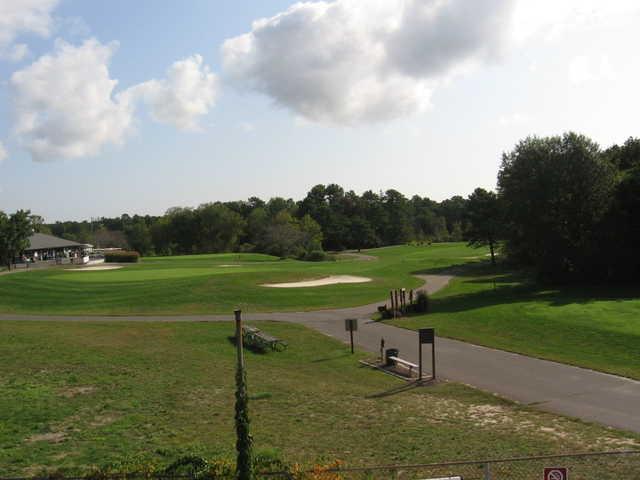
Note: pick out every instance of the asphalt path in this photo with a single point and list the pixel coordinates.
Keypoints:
(577, 392)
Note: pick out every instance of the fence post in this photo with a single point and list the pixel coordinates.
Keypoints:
(487, 471)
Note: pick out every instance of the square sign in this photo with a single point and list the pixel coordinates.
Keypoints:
(351, 324)
(556, 473)
(427, 335)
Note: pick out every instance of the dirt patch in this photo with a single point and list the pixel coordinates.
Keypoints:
(103, 420)
(71, 392)
(51, 437)
(332, 280)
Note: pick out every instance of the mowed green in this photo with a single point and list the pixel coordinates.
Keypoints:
(75, 395)
(591, 326)
(205, 284)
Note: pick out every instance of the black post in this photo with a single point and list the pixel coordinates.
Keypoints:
(419, 359)
(381, 350)
(433, 356)
(351, 337)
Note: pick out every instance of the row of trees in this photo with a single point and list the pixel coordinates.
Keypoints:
(328, 218)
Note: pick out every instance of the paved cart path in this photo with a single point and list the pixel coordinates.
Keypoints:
(556, 387)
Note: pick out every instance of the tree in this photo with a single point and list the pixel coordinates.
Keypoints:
(484, 218)
(218, 228)
(139, 237)
(556, 191)
(15, 230)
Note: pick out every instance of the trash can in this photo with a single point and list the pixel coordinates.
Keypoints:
(390, 352)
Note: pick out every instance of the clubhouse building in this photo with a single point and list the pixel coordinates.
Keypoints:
(47, 248)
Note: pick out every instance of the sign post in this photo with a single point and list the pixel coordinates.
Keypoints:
(351, 325)
(556, 473)
(427, 335)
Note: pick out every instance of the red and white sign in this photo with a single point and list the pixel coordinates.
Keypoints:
(556, 473)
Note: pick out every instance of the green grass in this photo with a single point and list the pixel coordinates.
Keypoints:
(73, 395)
(592, 326)
(203, 284)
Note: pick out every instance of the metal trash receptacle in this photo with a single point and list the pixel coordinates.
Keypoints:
(390, 352)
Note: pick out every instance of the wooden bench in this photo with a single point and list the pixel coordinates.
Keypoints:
(404, 363)
(254, 337)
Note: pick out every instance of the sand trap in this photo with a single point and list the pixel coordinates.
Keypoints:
(227, 266)
(94, 269)
(332, 280)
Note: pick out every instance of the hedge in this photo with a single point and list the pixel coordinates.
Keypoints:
(121, 257)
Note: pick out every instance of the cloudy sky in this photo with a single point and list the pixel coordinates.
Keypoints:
(120, 106)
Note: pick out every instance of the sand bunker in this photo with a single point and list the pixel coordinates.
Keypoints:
(227, 266)
(332, 280)
(94, 269)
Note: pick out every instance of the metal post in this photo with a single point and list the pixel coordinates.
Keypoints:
(433, 356)
(487, 471)
(238, 314)
(351, 337)
(381, 350)
(419, 359)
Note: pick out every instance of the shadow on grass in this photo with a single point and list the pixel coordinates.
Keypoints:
(506, 286)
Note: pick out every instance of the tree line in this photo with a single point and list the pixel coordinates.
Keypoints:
(563, 207)
(328, 218)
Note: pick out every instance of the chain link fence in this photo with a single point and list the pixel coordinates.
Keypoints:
(620, 465)
(586, 466)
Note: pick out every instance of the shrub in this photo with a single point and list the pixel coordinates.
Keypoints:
(422, 303)
(316, 256)
(121, 256)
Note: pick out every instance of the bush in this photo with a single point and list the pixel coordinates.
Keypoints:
(316, 256)
(121, 256)
(422, 303)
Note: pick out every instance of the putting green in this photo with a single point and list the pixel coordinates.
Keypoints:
(207, 284)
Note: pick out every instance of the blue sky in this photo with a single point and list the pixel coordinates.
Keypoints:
(332, 92)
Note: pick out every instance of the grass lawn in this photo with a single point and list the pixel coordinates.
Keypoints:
(592, 326)
(219, 283)
(74, 395)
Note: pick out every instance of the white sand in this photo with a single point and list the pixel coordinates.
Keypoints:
(93, 269)
(227, 266)
(332, 280)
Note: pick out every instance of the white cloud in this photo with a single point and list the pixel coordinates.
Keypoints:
(350, 61)
(3, 153)
(64, 103)
(23, 16)
(584, 69)
(553, 19)
(188, 93)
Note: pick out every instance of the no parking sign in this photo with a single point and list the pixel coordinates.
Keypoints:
(556, 473)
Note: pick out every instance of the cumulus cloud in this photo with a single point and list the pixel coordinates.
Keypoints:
(188, 93)
(3, 153)
(64, 103)
(351, 61)
(23, 16)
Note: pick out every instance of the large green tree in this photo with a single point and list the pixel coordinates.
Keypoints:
(556, 191)
(15, 230)
(484, 220)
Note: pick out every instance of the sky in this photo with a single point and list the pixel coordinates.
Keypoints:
(136, 107)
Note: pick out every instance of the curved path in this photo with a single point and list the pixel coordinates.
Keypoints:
(560, 388)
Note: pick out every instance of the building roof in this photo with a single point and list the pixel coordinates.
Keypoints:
(40, 241)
